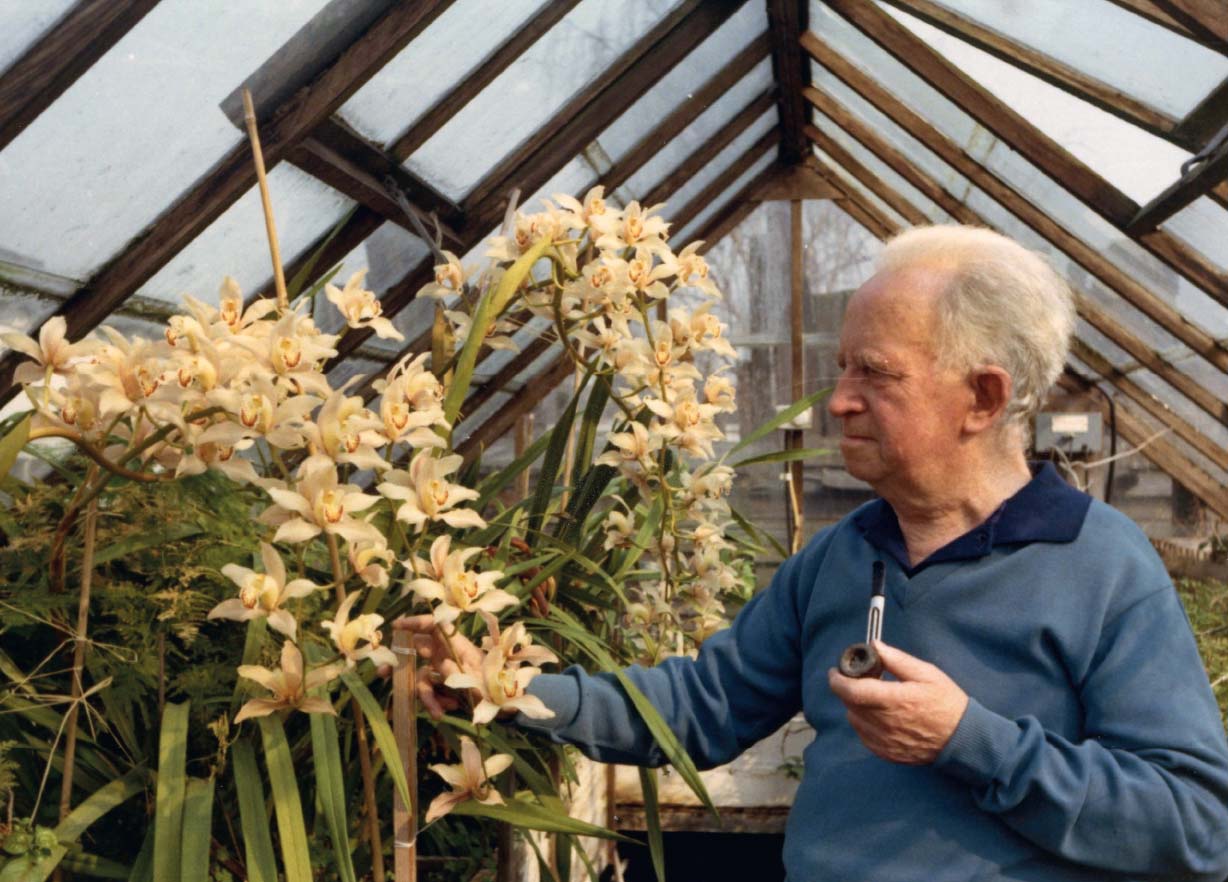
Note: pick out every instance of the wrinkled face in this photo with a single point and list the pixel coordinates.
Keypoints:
(902, 413)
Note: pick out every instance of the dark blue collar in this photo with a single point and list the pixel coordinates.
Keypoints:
(1046, 509)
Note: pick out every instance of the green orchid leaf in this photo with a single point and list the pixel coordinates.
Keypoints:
(11, 444)
(780, 419)
(782, 456)
(287, 804)
(382, 732)
(197, 830)
(532, 816)
(652, 819)
(330, 786)
(257, 838)
(172, 783)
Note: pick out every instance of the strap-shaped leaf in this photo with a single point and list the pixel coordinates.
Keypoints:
(257, 840)
(530, 815)
(11, 444)
(587, 436)
(780, 419)
(491, 486)
(652, 820)
(382, 732)
(295, 856)
(89, 864)
(172, 782)
(782, 456)
(197, 829)
(330, 787)
(754, 532)
(552, 462)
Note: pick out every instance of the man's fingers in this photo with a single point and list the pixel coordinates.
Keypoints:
(903, 665)
(864, 693)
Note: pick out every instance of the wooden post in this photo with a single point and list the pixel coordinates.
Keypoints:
(793, 437)
(520, 442)
(405, 728)
(279, 277)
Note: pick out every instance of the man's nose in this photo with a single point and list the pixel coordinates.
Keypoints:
(845, 399)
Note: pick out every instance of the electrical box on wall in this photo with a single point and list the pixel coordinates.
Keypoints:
(1071, 433)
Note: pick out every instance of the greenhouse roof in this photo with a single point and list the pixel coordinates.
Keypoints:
(1095, 131)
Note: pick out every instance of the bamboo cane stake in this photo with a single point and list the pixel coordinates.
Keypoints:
(279, 277)
(374, 839)
(78, 656)
(405, 728)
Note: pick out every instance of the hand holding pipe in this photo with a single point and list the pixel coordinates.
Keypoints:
(860, 659)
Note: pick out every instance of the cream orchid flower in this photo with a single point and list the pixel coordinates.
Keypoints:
(720, 393)
(264, 411)
(469, 779)
(450, 278)
(345, 431)
(319, 503)
(635, 447)
(456, 589)
(288, 685)
(52, 353)
(370, 561)
(263, 594)
(515, 643)
(360, 308)
(633, 226)
(427, 495)
(501, 688)
(349, 635)
(411, 404)
(583, 211)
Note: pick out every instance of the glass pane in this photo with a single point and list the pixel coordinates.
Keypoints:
(1204, 225)
(24, 22)
(705, 126)
(140, 126)
(689, 76)
(1109, 43)
(354, 366)
(21, 312)
(235, 244)
(447, 52)
(1206, 425)
(575, 52)
(735, 150)
(697, 223)
(1007, 165)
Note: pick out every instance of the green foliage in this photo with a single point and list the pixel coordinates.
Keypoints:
(1206, 604)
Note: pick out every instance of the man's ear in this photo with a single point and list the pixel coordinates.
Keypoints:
(991, 390)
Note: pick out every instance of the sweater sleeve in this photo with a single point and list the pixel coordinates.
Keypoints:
(1145, 791)
(744, 684)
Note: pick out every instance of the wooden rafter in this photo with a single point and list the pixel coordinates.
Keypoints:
(895, 159)
(863, 211)
(686, 112)
(868, 179)
(1207, 18)
(1045, 67)
(1162, 453)
(485, 73)
(1181, 193)
(737, 209)
(234, 175)
(708, 151)
(787, 21)
(30, 84)
(1159, 450)
(1028, 140)
(1155, 13)
(1100, 320)
(1014, 201)
(1211, 113)
(583, 117)
(720, 185)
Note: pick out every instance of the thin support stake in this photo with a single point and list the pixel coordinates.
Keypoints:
(405, 728)
(279, 277)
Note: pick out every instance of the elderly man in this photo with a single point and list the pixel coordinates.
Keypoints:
(1046, 715)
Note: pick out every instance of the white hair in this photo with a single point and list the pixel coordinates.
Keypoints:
(1004, 306)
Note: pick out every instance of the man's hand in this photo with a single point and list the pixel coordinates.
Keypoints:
(909, 721)
(444, 654)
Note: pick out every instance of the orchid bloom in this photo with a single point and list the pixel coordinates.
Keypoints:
(454, 588)
(633, 226)
(349, 633)
(450, 278)
(52, 354)
(501, 688)
(469, 779)
(360, 308)
(634, 447)
(370, 561)
(263, 594)
(288, 685)
(515, 643)
(319, 503)
(428, 495)
(346, 431)
(411, 404)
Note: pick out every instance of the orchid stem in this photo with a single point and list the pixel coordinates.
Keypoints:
(78, 659)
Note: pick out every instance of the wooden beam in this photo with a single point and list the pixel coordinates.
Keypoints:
(1181, 193)
(686, 112)
(1017, 203)
(1154, 13)
(1029, 141)
(787, 21)
(584, 117)
(1207, 18)
(522, 402)
(1160, 451)
(485, 73)
(1149, 403)
(1063, 76)
(1105, 324)
(733, 213)
(722, 182)
(802, 181)
(706, 152)
(44, 71)
(1208, 117)
(863, 211)
(895, 159)
(234, 174)
(868, 179)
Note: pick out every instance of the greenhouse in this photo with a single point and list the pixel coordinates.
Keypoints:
(582, 439)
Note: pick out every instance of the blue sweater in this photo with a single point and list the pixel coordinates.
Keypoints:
(1091, 749)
